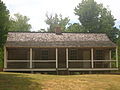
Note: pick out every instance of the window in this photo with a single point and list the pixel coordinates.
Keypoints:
(73, 54)
(44, 54)
(18, 54)
(99, 55)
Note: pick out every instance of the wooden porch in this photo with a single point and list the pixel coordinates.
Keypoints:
(56, 59)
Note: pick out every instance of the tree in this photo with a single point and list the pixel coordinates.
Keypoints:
(20, 23)
(76, 27)
(56, 20)
(95, 18)
(118, 43)
(88, 12)
(4, 26)
(4, 23)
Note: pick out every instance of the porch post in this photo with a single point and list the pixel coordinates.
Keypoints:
(30, 57)
(56, 58)
(5, 57)
(67, 57)
(116, 57)
(110, 57)
(92, 63)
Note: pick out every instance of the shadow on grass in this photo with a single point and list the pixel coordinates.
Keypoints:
(18, 82)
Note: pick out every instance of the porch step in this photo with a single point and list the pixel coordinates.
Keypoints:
(62, 69)
(63, 72)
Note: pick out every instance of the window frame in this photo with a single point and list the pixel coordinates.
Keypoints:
(73, 55)
(99, 55)
(44, 54)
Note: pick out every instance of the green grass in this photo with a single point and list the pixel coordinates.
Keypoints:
(20, 81)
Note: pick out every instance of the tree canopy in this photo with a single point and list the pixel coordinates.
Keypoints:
(96, 18)
(75, 27)
(56, 20)
(4, 23)
(19, 23)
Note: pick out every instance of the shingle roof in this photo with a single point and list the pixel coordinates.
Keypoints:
(29, 39)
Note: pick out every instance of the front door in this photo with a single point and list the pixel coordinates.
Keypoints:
(86, 56)
(61, 58)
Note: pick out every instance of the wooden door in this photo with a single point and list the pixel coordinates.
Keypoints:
(61, 58)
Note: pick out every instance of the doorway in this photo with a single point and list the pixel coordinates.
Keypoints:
(61, 58)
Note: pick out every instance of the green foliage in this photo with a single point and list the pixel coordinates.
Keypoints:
(4, 23)
(76, 27)
(113, 34)
(118, 43)
(20, 23)
(96, 18)
(56, 20)
(119, 56)
(1, 57)
(88, 13)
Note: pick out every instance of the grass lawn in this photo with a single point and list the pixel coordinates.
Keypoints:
(20, 81)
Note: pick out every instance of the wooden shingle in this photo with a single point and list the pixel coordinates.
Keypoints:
(32, 39)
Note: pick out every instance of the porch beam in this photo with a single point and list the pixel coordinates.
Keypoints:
(66, 57)
(92, 69)
(104, 60)
(90, 60)
(18, 60)
(56, 58)
(92, 63)
(80, 60)
(116, 57)
(29, 69)
(5, 57)
(44, 61)
(30, 57)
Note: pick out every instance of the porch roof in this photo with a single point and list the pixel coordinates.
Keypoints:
(32, 39)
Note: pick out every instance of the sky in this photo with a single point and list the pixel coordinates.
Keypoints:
(37, 9)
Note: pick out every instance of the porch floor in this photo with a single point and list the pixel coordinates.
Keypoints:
(69, 69)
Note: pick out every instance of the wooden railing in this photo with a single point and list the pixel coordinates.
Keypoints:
(88, 64)
(35, 63)
(71, 63)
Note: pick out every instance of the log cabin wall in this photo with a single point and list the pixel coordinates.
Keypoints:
(19, 58)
